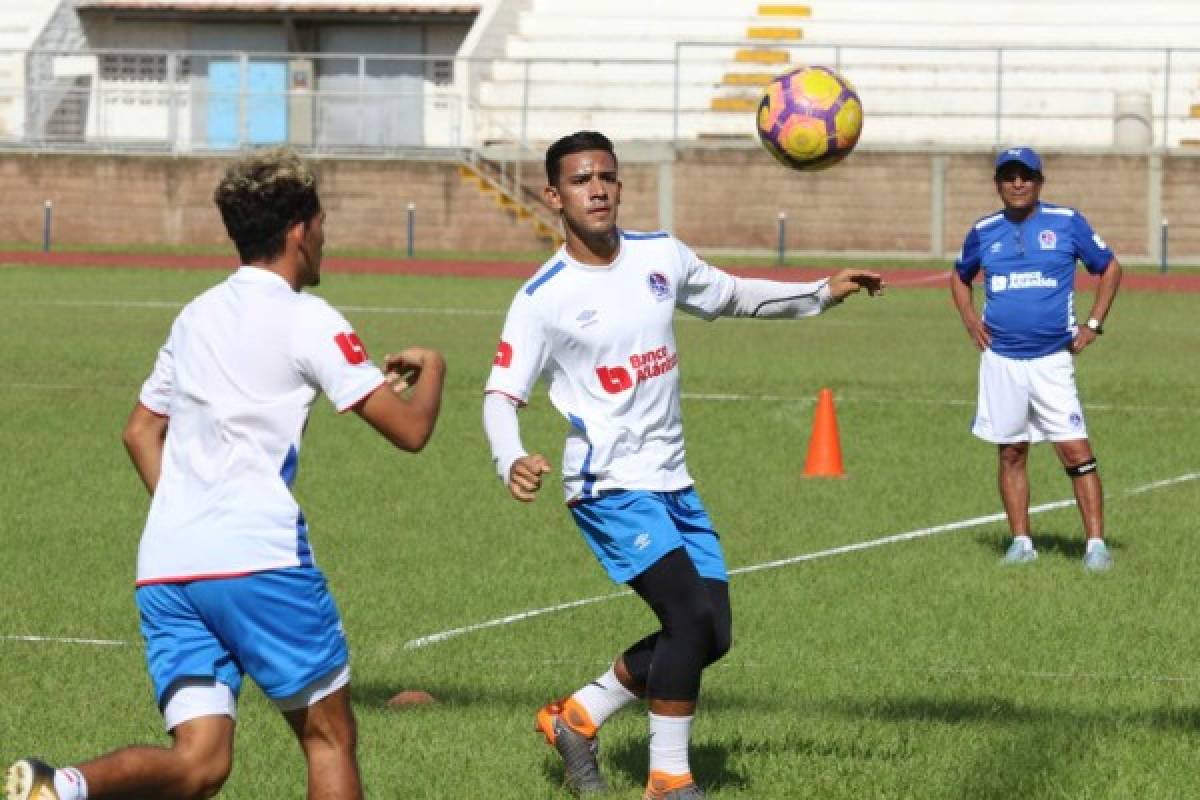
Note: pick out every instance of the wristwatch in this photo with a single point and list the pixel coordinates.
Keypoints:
(1095, 326)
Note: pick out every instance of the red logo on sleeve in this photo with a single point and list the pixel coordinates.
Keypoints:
(352, 347)
(504, 355)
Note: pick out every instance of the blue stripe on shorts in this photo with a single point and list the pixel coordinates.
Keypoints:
(280, 627)
(629, 531)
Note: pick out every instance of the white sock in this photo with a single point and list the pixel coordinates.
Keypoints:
(1095, 544)
(669, 744)
(69, 784)
(1025, 542)
(604, 697)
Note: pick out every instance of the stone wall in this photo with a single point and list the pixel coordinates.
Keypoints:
(146, 200)
(724, 197)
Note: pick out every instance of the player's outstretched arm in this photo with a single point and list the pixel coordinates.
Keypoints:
(754, 297)
(407, 420)
(144, 435)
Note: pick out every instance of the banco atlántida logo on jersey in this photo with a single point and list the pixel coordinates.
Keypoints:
(1022, 280)
(641, 367)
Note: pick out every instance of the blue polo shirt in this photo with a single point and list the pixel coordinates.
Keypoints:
(1029, 276)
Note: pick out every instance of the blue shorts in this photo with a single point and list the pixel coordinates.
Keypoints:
(631, 530)
(280, 627)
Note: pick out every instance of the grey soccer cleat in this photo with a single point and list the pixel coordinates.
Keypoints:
(686, 793)
(1097, 559)
(1019, 554)
(581, 771)
(30, 779)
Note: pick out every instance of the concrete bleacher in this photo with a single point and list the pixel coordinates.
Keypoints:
(927, 70)
(21, 22)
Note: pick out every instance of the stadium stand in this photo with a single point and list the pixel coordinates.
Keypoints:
(929, 71)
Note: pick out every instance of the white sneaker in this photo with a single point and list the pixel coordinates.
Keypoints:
(1097, 559)
(1019, 554)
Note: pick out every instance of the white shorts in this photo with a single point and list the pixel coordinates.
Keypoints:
(191, 698)
(1028, 400)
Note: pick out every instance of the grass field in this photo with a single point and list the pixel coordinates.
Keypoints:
(914, 669)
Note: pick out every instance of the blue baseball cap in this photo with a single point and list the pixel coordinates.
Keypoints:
(1021, 155)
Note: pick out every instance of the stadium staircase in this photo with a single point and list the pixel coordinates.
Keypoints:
(757, 63)
(502, 180)
(21, 23)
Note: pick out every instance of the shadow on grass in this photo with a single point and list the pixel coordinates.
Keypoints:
(709, 761)
(623, 755)
(1026, 746)
(997, 710)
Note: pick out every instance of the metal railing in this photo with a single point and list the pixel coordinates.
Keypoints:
(178, 102)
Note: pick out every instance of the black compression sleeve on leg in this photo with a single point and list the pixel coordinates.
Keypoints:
(640, 656)
(638, 659)
(690, 637)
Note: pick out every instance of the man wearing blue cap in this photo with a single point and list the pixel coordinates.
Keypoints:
(1028, 336)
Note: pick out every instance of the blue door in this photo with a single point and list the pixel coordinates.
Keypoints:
(265, 103)
(224, 114)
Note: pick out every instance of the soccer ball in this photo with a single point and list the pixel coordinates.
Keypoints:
(809, 118)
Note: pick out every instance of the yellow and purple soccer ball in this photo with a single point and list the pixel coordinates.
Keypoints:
(809, 118)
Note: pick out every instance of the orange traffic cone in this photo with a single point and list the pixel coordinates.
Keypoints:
(824, 448)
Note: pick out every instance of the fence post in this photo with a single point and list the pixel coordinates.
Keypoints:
(675, 102)
(1166, 111)
(1163, 246)
(47, 220)
(412, 227)
(782, 237)
(999, 95)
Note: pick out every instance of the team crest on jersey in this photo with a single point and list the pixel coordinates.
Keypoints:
(997, 247)
(660, 287)
(1048, 240)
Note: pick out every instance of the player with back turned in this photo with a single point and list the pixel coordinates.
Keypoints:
(227, 583)
(596, 321)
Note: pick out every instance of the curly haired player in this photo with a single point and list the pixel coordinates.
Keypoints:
(226, 579)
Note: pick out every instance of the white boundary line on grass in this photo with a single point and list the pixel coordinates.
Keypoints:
(64, 640)
(520, 616)
(441, 636)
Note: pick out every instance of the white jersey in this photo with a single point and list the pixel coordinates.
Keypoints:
(603, 339)
(236, 378)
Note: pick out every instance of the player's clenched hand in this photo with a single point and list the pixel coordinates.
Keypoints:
(849, 281)
(1082, 339)
(525, 476)
(403, 369)
(978, 332)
